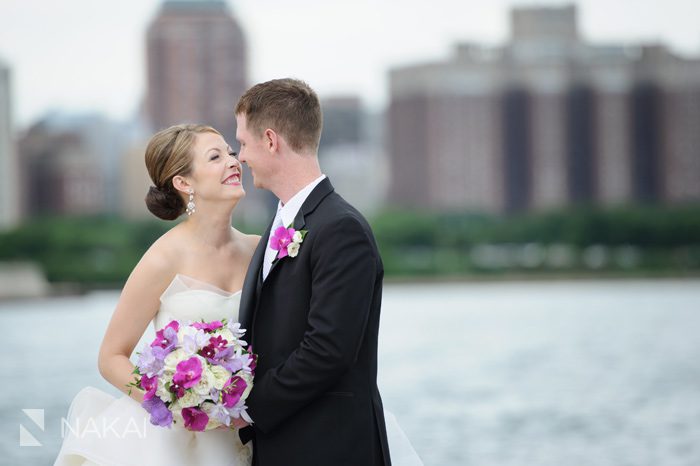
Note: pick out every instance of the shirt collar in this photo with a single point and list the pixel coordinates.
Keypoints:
(288, 211)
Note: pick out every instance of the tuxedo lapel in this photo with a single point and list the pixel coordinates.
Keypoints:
(323, 189)
(251, 285)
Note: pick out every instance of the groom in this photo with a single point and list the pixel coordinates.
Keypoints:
(311, 310)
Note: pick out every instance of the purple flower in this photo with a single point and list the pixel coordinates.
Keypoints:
(150, 385)
(208, 327)
(177, 389)
(148, 362)
(193, 342)
(208, 352)
(216, 350)
(253, 361)
(166, 335)
(218, 342)
(233, 390)
(281, 238)
(195, 419)
(165, 341)
(238, 332)
(233, 364)
(238, 362)
(188, 372)
(240, 411)
(221, 414)
(160, 414)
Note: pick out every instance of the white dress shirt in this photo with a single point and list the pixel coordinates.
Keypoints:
(286, 213)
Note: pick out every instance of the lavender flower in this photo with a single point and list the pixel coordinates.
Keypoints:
(160, 414)
(148, 363)
(220, 413)
(194, 340)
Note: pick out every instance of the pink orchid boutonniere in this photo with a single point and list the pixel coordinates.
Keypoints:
(287, 241)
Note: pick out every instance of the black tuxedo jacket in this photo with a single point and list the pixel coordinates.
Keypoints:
(314, 323)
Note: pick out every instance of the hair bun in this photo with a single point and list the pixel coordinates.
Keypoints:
(167, 205)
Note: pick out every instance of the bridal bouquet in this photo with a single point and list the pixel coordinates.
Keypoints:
(198, 374)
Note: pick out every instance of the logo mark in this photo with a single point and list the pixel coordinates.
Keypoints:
(26, 439)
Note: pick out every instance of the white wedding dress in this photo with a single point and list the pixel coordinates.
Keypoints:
(106, 431)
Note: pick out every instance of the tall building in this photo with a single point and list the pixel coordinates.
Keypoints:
(67, 169)
(546, 120)
(9, 179)
(197, 65)
(342, 121)
(351, 152)
(197, 70)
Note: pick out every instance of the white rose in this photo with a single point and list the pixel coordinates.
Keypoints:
(177, 415)
(212, 424)
(206, 382)
(297, 238)
(249, 381)
(174, 358)
(221, 375)
(226, 334)
(209, 408)
(182, 332)
(161, 391)
(293, 249)
(191, 398)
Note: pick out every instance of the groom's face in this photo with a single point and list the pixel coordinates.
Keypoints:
(253, 153)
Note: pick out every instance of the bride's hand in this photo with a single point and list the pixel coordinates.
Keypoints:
(239, 423)
(235, 424)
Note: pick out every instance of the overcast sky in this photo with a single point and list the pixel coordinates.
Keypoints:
(88, 55)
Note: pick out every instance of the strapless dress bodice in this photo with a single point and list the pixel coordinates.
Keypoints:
(188, 299)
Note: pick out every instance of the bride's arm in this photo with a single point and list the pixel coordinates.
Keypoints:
(138, 304)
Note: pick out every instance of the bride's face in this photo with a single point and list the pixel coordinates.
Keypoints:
(216, 172)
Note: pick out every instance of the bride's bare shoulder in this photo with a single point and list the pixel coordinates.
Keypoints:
(250, 241)
(163, 255)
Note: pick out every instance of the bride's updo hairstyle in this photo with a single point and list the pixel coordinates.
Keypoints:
(168, 155)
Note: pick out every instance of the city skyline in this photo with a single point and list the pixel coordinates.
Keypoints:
(546, 120)
(95, 61)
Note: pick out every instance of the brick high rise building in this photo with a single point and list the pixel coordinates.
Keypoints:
(197, 70)
(197, 65)
(546, 120)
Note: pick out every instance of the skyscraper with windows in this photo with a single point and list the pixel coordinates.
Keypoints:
(546, 120)
(197, 70)
(196, 65)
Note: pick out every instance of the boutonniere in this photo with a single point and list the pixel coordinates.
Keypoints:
(287, 241)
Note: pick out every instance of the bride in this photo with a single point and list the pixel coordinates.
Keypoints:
(194, 271)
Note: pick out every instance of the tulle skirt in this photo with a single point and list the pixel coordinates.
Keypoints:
(102, 430)
(107, 431)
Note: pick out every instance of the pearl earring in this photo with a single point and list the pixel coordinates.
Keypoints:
(190, 204)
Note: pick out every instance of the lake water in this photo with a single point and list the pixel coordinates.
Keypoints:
(591, 373)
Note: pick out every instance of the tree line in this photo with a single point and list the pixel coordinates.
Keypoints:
(102, 250)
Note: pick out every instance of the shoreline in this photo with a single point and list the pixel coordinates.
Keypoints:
(543, 277)
(70, 289)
